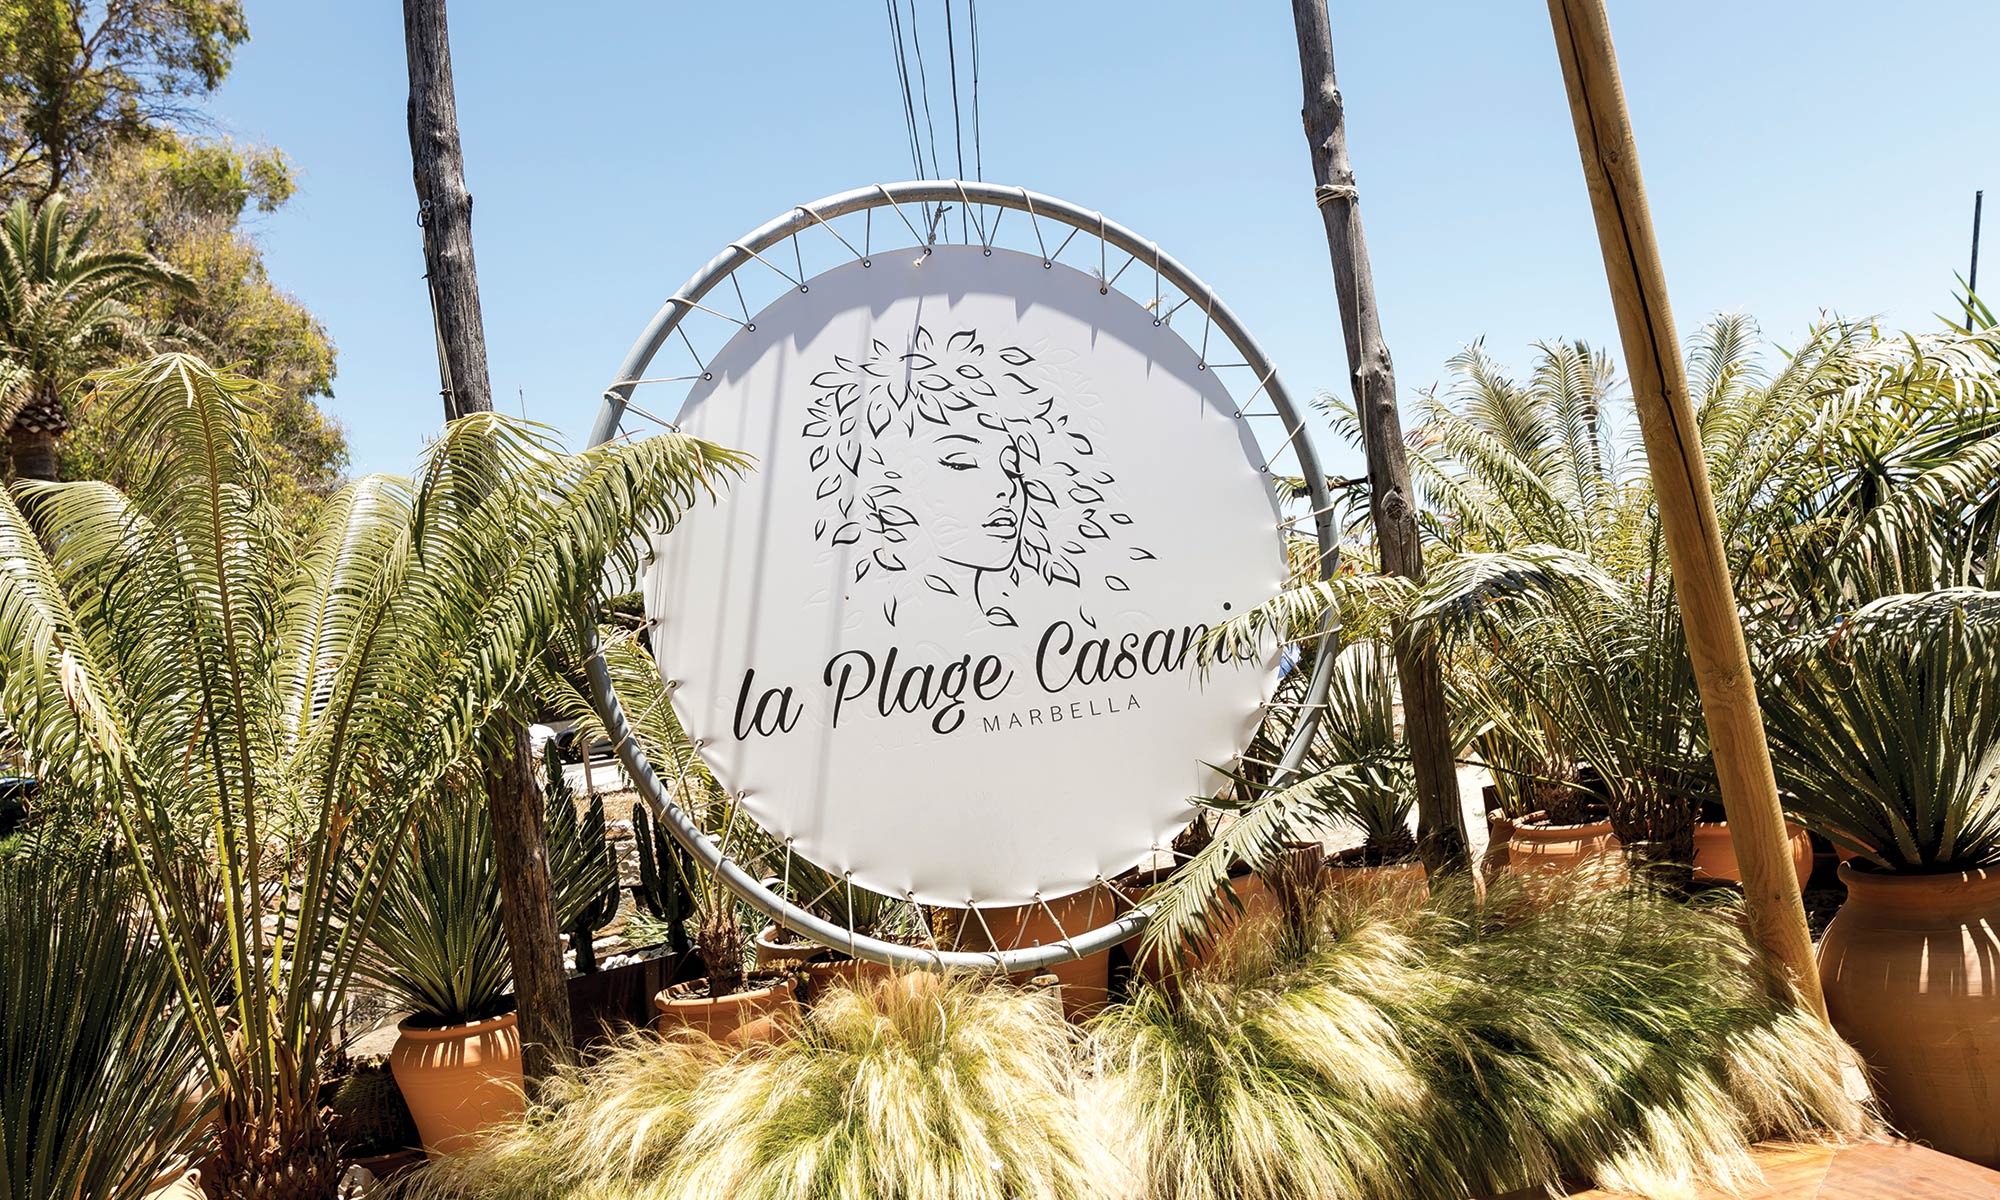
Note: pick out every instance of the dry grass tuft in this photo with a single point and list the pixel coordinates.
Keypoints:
(917, 1086)
(1610, 1035)
(1376, 1050)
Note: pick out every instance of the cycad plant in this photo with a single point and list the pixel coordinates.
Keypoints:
(1359, 726)
(1356, 773)
(66, 308)
(95, 1055)
(256, 718)
(1552, 596)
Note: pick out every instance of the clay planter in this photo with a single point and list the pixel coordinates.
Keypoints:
(1911, 968)
(1257, 903)
(822, 977)
(1499, 835)
(1405, 881)
(1086, 982)
(763, 1014)
(1715, 854)
(182, 1183)
(1538, 848)
(458, 1080)
(774, 953)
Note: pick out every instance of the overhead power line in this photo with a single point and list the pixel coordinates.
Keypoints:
(907, 56)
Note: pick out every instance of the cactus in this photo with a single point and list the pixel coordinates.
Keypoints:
(582, 868)
(662, 887)
(596, 912)
(366, 1113)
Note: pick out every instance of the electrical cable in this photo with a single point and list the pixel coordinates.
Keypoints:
(924, 89)
(972, 22)
(903, 77)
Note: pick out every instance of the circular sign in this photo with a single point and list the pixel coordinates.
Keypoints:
(946, 635)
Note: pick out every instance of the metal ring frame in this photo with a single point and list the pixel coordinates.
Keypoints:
(967, 194)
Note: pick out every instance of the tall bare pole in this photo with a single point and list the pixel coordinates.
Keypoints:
(444, 209)
(1391, 500)
(1972, 273)
(513, 796)
(1680, 480)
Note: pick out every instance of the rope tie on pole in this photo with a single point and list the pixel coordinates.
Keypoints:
(1327, 193)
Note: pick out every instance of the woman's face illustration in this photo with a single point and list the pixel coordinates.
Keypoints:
(958, 477)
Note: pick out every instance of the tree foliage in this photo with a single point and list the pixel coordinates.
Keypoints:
(67, 306)
(102, 101)
(78, 77)
(186, 201)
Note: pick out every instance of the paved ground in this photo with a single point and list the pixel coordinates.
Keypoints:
(608, 776)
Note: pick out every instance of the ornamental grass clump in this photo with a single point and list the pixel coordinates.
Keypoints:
(1461, 1050)
(916, 1086)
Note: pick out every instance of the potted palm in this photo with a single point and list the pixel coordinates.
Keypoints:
(732, 1001)
(1266, 853)
(353, 665)
(441, 949)
(1885, 732)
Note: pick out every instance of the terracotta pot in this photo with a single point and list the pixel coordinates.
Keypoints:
(764, 1014)
(1715, 854)
(1499, 835)
(1255, 897)
(1911, 968)
(1538, 848)
(1407, 881)
(183, 1183)
(774, 953)
(1086, 982)
(822, 977)
(458, 1080)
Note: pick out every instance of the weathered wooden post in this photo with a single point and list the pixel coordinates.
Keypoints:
(1391, 501)
(1680, 480)
(513, 795)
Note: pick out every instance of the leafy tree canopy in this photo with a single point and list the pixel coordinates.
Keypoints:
(101, 99)
(186, 201)
(78, 76)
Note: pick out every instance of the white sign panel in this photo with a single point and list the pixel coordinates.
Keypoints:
(943, 637)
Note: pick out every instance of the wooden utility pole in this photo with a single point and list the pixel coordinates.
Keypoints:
(513, 794)
(1680, 480)
(1391, 501)
(444, 209)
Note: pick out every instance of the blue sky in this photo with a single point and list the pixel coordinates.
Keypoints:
(1799, 158)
